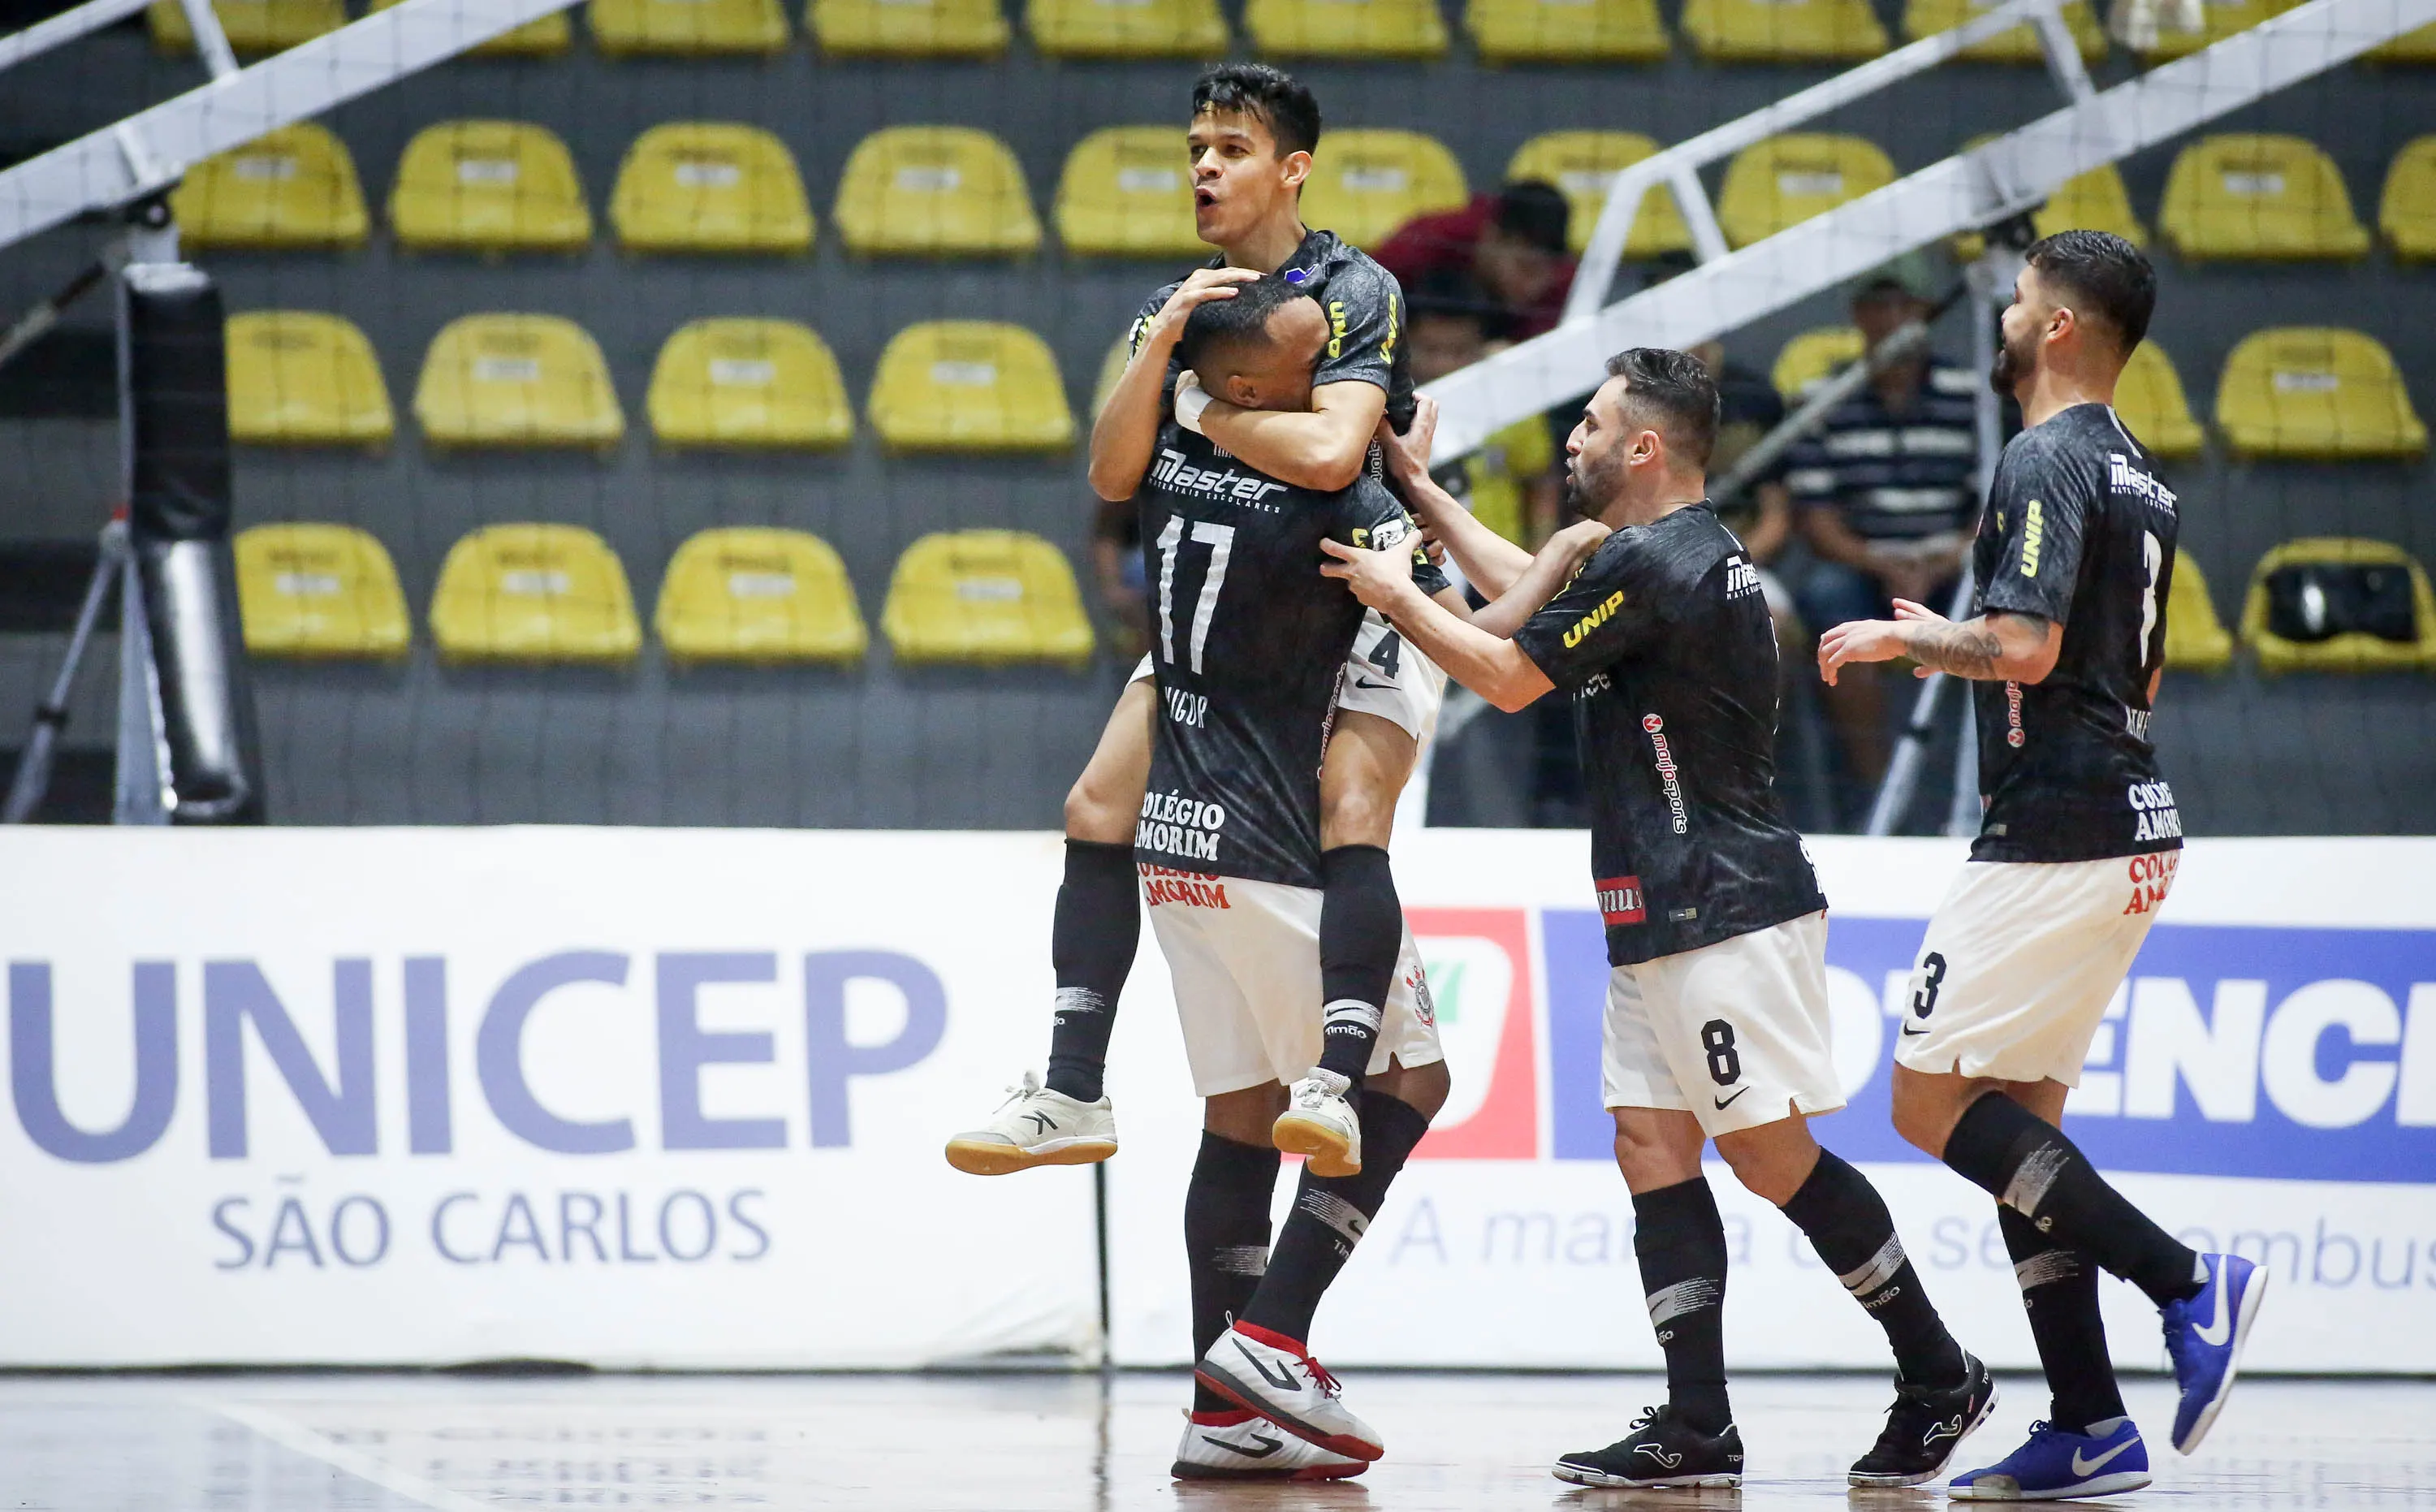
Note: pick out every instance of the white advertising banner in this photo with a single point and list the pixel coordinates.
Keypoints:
(632, 1097)
(2266, 1082)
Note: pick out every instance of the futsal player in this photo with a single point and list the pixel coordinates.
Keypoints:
(1718, 1026)
(2078, 841)
(1250, 139)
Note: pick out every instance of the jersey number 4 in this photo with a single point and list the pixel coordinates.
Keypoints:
(1220, 539)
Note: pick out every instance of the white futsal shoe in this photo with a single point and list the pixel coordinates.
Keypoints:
(1275, 1376)
(1036, 1126)
(1244, 1446)
(1319, 1122)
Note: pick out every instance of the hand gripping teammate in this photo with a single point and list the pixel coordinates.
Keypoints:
(1250, 140)
(2077, 845)
(1716, 1023)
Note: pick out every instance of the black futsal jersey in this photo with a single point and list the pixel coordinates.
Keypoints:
(1665, 641)
(2079, 531)
(1247, 640)
(1365, 321)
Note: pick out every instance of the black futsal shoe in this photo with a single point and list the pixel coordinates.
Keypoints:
(1923, 1427)
(1662, 1450)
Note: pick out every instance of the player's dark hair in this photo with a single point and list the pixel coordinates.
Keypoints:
(1536, 212)
(1672, 391)
(1222, 326)
(1271, 96)
(2106, 276)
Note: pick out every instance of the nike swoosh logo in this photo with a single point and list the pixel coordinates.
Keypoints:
(2216, 1333)
(2082, 1467)
(1264, 1447)
(1670, 1461)
(1363, 681)
(1909, 1031)
(1282, 1380)
(1724, 1100)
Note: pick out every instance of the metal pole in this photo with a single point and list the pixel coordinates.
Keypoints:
(33, 777)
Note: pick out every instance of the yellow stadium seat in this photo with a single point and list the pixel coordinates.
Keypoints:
(2407, 214)
(1583, 164)
(1347, 28)
(2149, 399)
(969, 386)
(1566, 31)
(636, 28)
(2246, 195)
(934, 191)
(748, 383)
(909, 29)
(254, 26)
(2096, 200)
(2316, 392)
(1126, 192)
(289, 188)
(543, 36)
(2196, 639)
(490, 186)
(2335, 605)
(1112, 367)
(301, 378)
(1365, 182)
(1813, 355)
(1926, 18)
(2410, 47)
(318, 591)
(516, 380)
(2224, 18)
(986, 596)
(1788, 178)
(533, 592)
(1782, 31)
(1127, 28)
(696, 186)
(758, 595)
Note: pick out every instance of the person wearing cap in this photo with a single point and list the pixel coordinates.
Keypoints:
(1512, 243)
(1887, 491)
(1511, 482)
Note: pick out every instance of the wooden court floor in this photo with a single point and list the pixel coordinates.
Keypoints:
(1004, 1442)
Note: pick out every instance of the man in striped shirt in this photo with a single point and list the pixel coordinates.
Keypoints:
(1886, 492)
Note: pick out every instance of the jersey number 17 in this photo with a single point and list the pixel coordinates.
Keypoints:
(1220, 539)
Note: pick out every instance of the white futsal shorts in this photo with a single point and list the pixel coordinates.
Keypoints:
(1393, 681)
(1244, 959)
(1734, 1032)
(2021, 961)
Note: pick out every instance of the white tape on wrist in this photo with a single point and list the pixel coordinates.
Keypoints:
(1191, 400)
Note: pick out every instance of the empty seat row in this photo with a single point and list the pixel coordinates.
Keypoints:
(2326, 603)
(558, 594)
(307, 378)
(2305, 392)
(1502, 30)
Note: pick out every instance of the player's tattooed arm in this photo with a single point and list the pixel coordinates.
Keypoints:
(1489, 562)
(2004, 646)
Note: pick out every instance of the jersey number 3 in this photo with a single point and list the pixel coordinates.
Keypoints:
(1220, 539)
(2153, 561)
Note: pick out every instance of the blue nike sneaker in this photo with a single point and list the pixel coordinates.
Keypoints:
(2205, 1334)
(2057, 1464)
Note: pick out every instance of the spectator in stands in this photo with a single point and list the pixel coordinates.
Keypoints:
(1887, 491)
(1748, 408)
(1511, 484)
(1511, 243)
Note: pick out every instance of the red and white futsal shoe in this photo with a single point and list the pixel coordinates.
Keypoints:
(1275, 1376)
(1244, 1446)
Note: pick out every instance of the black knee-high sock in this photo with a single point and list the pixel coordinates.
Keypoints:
(1360, 934)
(1681, 1244)
(2026, 1164)
(1849, 1225)
(1225, 1239)
(1092, 941)
(1330, 1216)
(2060, 1292)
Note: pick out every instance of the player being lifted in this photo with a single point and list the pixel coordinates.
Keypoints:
(1717, 1024)
(1251, 137)
(2076, 848)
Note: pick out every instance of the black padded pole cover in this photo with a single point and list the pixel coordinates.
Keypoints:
(173, 398)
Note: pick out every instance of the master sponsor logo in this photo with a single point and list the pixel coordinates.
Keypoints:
(1596, 617)
(2124, 479)
(1177, 826)
(1621, 900)
(2035, 531)
(1173, 473)
(2159, 818)
(1166, 884)
(1742, 579)
(1667, 774)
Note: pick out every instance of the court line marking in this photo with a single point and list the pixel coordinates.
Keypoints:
(289, 1434)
